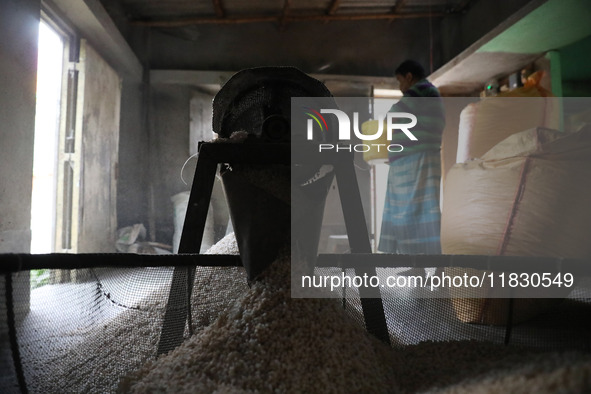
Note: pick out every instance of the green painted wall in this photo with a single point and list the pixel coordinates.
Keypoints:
(576, 60)
(559, 27)
(553, 25)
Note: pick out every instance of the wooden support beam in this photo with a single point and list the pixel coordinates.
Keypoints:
(219, 8)
(399, 6)
(286, 6)
(461, 7)
(279, 18)
(334, 6)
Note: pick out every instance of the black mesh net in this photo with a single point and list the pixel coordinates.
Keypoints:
(84, 326)
(561, 324)
(565, 325)
(87, 328)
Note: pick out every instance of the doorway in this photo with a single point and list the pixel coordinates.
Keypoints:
(47, 121)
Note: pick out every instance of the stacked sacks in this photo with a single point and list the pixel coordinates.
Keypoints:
(528, 196)
(488, 122)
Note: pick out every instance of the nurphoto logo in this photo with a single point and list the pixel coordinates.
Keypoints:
(344, 132)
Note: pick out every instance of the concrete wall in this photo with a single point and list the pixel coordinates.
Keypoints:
(19, 20)
(169, 123)
(19, 26)
(18, 63)
(97, 128)
(92, 23)
(132, 182)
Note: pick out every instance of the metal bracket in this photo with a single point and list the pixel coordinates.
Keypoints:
(178, 310)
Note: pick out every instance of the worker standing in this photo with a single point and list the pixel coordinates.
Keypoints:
(411, 219)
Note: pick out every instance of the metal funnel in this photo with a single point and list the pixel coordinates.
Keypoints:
(258, 101)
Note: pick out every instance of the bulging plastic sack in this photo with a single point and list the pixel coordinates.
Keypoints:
(528, 196)
(488, 122)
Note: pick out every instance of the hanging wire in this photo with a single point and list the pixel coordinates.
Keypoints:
(185, 164)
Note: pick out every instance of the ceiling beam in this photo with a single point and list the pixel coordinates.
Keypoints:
(218, 78)
(285, 19)
(219, 8)
(92, 22)
(334, 6)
